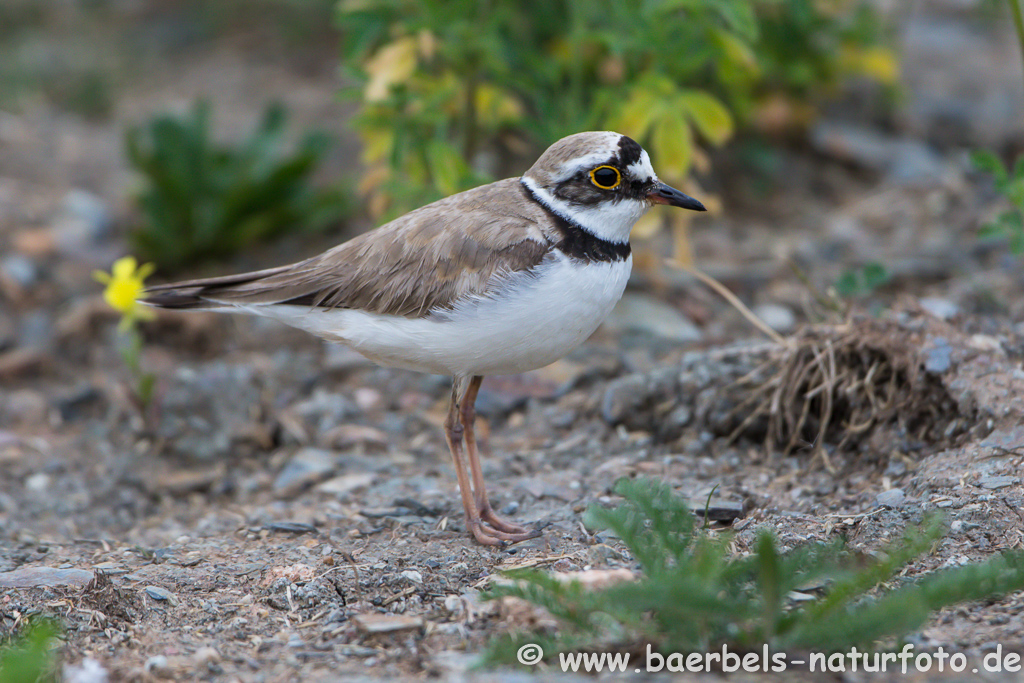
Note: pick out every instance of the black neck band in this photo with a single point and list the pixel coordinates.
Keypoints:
(576, 241)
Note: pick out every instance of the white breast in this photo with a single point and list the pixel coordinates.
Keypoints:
(530, 320)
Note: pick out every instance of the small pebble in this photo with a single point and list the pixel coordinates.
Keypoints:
(893, 498)
(161, 594)
(943, 309)
(38, 482)
(88, 671)
(776, 316)
(156, 664)
(453, 604)
(206, 655)
(413, 576)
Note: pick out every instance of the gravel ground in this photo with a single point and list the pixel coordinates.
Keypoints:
(288, 511)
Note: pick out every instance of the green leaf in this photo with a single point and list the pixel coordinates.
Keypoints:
(29, 657)
(1017, 242)
(848, 283)
(737, 50)
(875, 275)
(1018, 168)
(1014, 191)
(708, 114)
(992, 229)
(769, 580)
(739, 16)
(638, 113)
(988, 162)
(672, 144)
(447, 168)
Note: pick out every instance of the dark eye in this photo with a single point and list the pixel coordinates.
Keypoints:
(606, 177)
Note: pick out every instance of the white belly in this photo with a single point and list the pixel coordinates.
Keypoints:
(532, 320)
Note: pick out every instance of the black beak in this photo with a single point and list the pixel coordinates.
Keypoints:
(663, 194)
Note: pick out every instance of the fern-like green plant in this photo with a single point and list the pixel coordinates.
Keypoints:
(696, 596)
(1010, 184)
(28, 658)
(203, 200)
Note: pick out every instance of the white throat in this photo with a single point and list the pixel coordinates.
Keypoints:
(609, 221)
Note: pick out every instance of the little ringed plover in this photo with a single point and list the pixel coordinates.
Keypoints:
(503, 278)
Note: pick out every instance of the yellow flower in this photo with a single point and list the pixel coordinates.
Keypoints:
(124, 285)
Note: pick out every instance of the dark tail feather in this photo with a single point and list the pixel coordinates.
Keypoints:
(178, 300)
(196, 294)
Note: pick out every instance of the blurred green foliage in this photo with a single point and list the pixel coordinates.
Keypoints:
(697, 595)
(28, 658)
(862, 281)
(456, 91)
(1009, 183)
(203, 200)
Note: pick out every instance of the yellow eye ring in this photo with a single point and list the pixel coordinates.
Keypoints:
(603, 179)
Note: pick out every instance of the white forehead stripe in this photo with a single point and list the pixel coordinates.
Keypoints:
(642, 168)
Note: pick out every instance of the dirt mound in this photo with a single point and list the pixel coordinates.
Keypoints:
(907, 382)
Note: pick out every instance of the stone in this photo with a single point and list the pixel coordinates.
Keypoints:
(943, 309)
(993, 482)
(368, 399)
(893, 498)
(386, 623)
(938, 356)
(158, 665)
(776, 316)
(348, 435)
(627, 398)
(325, 410)
(84, 220)
(290, 527)
(642, 313)
(38, 482)
(206, 655)
(341, 358)
(161, 595)
(307, 467)
(88, 670)
(960, 78)
(20, 270)
(34, 577)
(36, 330)
(718, 510)
(346, 483)
(412, 576)
(902, 159)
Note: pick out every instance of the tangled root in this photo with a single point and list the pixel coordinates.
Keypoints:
(838, 384)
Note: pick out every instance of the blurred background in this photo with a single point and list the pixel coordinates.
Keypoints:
(832, 139)
(857, 156)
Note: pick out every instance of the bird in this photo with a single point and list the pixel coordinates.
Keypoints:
(500, 279)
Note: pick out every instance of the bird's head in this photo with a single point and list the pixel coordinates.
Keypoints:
(602, 181)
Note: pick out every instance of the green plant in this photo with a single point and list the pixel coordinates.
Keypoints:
(805, 49)
(862, 281)
(696, 596)
(455, 92)
(202, 200)
(28, 658)
(1009, 183)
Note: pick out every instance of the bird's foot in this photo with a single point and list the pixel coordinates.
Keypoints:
(487, 514)
(488, 535)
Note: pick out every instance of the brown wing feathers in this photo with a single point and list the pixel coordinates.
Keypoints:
(424, 260)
